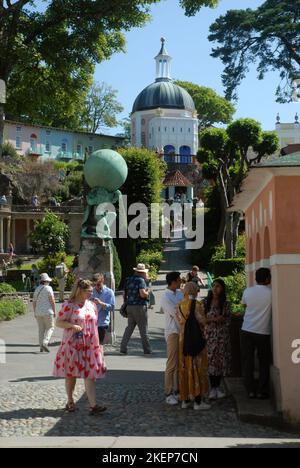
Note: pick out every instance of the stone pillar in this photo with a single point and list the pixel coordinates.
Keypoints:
(96, 256)
(1, 235)
(8, 232)
(27, 235)
(13, 232)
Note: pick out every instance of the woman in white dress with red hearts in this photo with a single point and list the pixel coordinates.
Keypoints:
(80, 355)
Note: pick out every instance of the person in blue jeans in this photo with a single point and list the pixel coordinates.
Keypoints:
(136, 295)
(104, 298)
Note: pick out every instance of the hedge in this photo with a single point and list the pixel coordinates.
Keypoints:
(116, 267)
(226, 267)
(10, 309)
(6, 288)
(153, 259)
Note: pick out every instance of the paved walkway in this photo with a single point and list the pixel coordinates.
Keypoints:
(31, 401)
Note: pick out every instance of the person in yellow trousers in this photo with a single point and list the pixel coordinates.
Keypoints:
(193, 358)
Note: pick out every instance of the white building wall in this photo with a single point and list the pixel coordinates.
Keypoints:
(289, 133)
(167, 127)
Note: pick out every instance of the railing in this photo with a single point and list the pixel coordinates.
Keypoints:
(5, 208)
(42, 209)
(179, 159)
(69, 155)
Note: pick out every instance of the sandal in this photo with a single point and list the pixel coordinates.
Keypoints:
(70, 407)
(97, 410)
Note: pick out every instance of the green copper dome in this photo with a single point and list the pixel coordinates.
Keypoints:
(165, 94)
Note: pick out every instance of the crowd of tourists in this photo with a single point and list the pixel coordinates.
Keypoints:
(197, 334)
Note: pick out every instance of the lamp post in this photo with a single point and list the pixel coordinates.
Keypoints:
(2, 102)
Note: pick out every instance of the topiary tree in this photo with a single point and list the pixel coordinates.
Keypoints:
(143, 185)
(225, 158)
(50, 235)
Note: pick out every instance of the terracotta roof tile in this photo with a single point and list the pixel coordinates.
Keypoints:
(176, 179)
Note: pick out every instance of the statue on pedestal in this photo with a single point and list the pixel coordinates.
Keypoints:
(105, 172)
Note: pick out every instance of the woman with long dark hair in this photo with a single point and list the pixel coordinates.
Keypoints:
(218, 337)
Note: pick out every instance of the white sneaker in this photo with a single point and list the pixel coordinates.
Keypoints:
(185, 404)
(202, 407)
(213, 394)
(171, 400)
(220, 394)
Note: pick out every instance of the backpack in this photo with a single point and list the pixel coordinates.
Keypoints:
(194, 341)
(59, 272)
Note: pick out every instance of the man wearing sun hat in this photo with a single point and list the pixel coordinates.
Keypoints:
(136, 295)
(44, 311)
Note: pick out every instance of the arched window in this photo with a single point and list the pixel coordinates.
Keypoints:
(185, 155)
(169, 152)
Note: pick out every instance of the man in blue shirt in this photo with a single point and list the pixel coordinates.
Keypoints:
(104, 298)
(136, 295)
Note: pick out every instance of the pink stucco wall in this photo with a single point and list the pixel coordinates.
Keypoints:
(273, 239)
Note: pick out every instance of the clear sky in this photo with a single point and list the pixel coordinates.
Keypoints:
(187, 43)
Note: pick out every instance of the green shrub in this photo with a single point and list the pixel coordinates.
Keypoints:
(241, 246)
(235, 286)
(9, 309)
(220, 250)
(153, 259)
(226, 267)
(48, 264)
(50, 235)
(117, 267)
(6, 288)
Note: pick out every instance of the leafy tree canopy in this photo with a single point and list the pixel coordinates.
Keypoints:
(50, 235)
(49, 50)
(211, 107)
(268, 36)
(100, 108)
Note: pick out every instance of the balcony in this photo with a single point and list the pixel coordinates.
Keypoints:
(43, 209)
(69, 156)
(179, 158)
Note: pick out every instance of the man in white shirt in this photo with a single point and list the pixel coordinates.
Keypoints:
(170, 300)
(256, 332)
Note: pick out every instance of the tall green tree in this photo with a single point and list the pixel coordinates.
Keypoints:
(268, 36)
(100, 108)
(226, 156)
(211, 108)
(55, 47)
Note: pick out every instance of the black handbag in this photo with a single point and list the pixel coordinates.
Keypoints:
(123, 310)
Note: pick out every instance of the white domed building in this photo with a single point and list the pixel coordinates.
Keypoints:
(164, 119)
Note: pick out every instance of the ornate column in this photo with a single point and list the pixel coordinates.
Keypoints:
(13, 232)
(8, 232)
(1, 235)
(27, 235)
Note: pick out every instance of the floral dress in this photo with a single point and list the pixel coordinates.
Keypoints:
(218, 342)
(80, 355)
